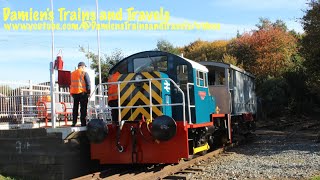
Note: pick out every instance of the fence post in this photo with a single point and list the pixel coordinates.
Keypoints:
(30, 95)
(53, 95)
(22, 107)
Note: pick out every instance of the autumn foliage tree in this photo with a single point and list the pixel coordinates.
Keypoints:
(265, 52)
(271, 54)
(205, 51)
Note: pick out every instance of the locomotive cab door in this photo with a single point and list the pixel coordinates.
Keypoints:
(184, 76)
(203, 100)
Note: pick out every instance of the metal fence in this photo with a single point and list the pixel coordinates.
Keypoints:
(24, 102)
(98, 103)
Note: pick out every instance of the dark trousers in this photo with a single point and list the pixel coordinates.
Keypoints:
(114, 112)
(81, 98)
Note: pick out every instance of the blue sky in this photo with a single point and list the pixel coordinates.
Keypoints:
(26, 55)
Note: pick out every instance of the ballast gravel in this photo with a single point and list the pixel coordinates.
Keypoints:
(271, 155)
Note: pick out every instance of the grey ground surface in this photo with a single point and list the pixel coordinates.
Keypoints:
(271, 155)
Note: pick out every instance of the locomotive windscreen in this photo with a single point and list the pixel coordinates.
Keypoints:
(149, 64)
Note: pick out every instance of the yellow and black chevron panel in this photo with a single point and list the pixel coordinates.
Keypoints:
(138, 94)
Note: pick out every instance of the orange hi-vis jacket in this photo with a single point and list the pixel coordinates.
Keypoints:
(78, 84)
(113, 88)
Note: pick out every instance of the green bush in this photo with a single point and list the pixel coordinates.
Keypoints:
(315, 178)
(273, 95)
(300, 100)
(288, 93)
(6, 178)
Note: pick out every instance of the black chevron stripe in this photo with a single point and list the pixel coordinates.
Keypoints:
(143, 91)
(133, 93)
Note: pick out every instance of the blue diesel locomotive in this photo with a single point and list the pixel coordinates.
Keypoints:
(168, 108)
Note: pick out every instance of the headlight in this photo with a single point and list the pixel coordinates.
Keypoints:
(138, 77)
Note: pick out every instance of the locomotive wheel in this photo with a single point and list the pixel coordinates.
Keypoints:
(220, 138)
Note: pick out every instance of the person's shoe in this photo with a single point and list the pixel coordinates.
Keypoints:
(73, 125)
(83, 125)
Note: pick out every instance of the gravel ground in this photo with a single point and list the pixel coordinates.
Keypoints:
(271, 155)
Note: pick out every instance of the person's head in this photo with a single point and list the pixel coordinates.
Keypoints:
(81, 65)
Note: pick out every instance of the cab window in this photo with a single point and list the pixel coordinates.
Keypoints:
(182, 74)
(149, 64)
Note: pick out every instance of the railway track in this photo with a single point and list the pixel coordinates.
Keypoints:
(189, 168)
(174, 171)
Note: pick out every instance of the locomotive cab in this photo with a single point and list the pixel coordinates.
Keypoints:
(189, 76)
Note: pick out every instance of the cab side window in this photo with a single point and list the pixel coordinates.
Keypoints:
(201, 79)
(182, 76)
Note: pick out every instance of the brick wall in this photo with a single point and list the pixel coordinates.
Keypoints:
(35, 154)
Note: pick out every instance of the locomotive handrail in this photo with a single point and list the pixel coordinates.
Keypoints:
(189, 105)
(183, 104)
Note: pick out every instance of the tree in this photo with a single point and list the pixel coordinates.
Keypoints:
(166, 46)
(106, 62)
(311, 44)
(272, 54)
(265, 24)
(227, 58)
(267, 51)
(206, 51)
(241, 49)
(194, 50)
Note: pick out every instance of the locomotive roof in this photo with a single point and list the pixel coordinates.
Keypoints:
(196, 65)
